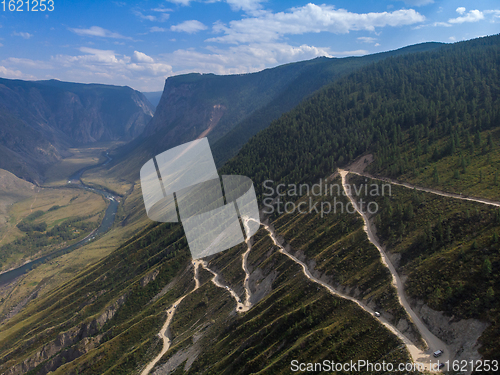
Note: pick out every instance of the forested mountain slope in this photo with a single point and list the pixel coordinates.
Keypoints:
(430, 117)
(231, 109)
(383, 108)
(325, 71)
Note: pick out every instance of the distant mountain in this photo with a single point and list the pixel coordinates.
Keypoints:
(153, 97)
(39, 120)
(231, 109)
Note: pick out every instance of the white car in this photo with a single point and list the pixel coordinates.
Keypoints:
(438, 353)
(376, 313)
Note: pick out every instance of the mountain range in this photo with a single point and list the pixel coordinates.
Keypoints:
(229, 110)
(40, 120)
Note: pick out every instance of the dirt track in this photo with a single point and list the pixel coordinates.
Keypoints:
(240, 306)
(432, 341)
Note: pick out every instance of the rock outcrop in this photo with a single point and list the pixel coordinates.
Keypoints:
(68, 345)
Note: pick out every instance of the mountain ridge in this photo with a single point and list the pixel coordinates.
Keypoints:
(40, 120)
(243, 104)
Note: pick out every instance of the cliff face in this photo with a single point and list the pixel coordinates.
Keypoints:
(40, 120)
(202, 105)
(230, 109)
(186, 111)
(196, 105)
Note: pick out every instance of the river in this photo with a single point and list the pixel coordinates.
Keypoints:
(107, 222)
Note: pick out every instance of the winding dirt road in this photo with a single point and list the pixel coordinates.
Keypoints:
(432, 341)
(163, 330)
(418, 355)
(423, 358)
(240, 305)
(429, 190)
(244, 262)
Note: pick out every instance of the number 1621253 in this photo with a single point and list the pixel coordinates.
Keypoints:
(27, 5)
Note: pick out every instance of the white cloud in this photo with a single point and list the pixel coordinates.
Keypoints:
(473, 16)
(452, 38)
(160, 18)
(23, 35)
(18, 62)
(190, 27)
(445, 24)
(163, 17)
(145, 17)
(140, 57)
(310, 18)
(367, 39)
(98, 31)
(161, 9)
(106, 66)
(97, 55)
(11, 73)
(156, 29)
(495, 12)
(249, 6)
(244, 58)
(460, 10)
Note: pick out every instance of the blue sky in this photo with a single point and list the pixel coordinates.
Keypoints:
(140, 43)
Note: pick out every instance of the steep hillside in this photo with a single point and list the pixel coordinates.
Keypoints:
(40, 119)
(427, 117)
(380, 108)
(231, 109)
(448, 249)
(106, 320)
